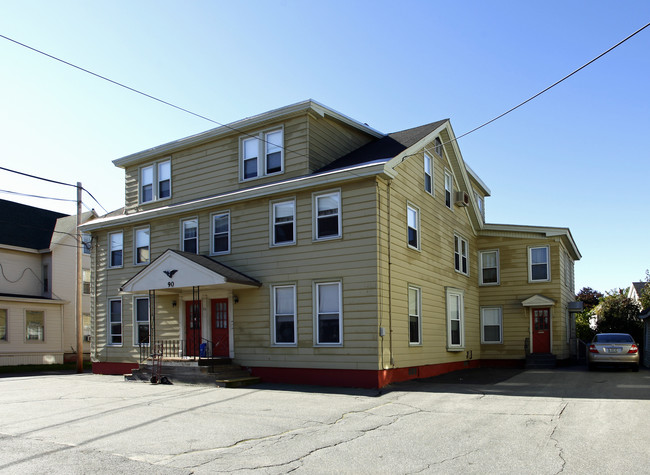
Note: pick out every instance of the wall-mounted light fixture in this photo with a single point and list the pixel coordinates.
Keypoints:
(174, 303)
(235, 299)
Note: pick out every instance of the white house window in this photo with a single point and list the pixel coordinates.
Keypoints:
(190, 235)
(34, 325)
(142, 253)
(262, 155)
(481, 205)
(329, 318)
(86, 241)
(85, 275)
(491, 325)
(327, 212)
(221, 233)
(284, 314)
(461, 248)
(489, 271)
(455, 319)
(415, 315)
(141, 323)
(115, 329)
(283, 223)
(428, 174)
(437, 146)
(155, 181)
(538, 264)
(115, 249)
(413, 226)
(448, 189)
(3, 324)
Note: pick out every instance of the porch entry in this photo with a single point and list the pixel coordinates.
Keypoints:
(541, 330)
(219, 328)
(220, 336)
(193, 327)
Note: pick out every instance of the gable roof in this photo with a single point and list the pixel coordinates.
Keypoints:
(386, 147)
(26, 226)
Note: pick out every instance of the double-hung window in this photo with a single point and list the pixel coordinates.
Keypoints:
(413, 226)
(34, 325)
(437, 146)
(538, 264)
(190, 235)
(455, 319)
(156, 181)
(489, 271)
(3, 324)
(327, 215)
(283, 225)
(86, 276)
(449, 186)
(262, 155)
(115, 315)
(428, 173)
(115, 249)
(284, 314)
(141, 321)
(221, 233)
(415, 315)
(491, 325)
(329, 316)
(460, 255)
(141, 242)
(86, 241)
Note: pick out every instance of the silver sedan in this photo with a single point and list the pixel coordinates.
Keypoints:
(613, 349)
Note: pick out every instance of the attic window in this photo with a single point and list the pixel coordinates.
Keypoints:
(262, 155)
(437, 146)
(155, 181)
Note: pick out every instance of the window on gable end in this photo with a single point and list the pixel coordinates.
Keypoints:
(413, 226)
(449, 187)
(461, 253)
(428, 174)
(437, 146)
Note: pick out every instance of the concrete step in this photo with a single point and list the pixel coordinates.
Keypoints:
(220, 373)
(541, 361)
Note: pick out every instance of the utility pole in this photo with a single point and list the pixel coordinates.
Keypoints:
(79, 292)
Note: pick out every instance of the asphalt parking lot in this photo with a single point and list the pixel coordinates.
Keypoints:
(477, 421)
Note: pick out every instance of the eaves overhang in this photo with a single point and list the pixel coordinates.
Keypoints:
(376, 168)
(564, 233)
(240, 127)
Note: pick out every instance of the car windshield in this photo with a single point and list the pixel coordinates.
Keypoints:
(612, 338)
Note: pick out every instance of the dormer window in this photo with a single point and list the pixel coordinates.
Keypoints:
(262, 155)
(160, 175)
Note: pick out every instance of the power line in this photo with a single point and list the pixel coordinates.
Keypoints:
(37, 196)
(52, 181)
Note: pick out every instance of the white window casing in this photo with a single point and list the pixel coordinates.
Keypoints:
(262, 154)
(328, 313)
(327, 215)
(491, 325)
(284, 325)
(455, 319)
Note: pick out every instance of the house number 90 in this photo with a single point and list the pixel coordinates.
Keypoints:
(170, 283)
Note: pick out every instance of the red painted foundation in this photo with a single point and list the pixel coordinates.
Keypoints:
(108, 367)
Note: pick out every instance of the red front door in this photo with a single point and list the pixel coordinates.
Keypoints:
(220, 337)
(541, 330)
(193, 327)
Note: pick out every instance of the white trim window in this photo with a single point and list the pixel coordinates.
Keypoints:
(449, 188)
(115, 319)
(284, 315)
(488, 262)
(413, 227)
(283, 223)
(428, 173)
(491, 325)
(159, 173)
(329, 316)
(141, 242)
(480, 202)
(35, 325)
(327, 215)
(262, 155)
(437, 146)
(86, 241)
(221, 233)
(141, 322)
(539, 266)
(415, 315)
(3, 324)
(115, 250)
(190, 235)
(461, 253)
(86, 279)
(455, 319)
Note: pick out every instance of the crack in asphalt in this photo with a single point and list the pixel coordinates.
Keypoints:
(556, 441)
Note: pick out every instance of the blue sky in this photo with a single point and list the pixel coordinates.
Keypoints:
(574, 157)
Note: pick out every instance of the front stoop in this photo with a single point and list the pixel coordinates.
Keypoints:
(210, 372)
(541, 361)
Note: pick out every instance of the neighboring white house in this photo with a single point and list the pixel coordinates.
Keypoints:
(636, 289)
(38, 285)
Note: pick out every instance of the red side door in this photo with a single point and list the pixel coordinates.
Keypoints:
(193, 327)
(220, 336)
(541, 330)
